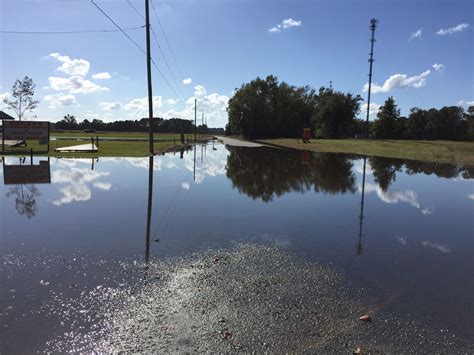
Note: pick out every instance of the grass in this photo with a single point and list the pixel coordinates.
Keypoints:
(61, 134)
(461, 153)
(106, 149)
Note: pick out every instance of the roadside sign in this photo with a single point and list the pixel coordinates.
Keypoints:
(26, 130)
(306, 134)
(27, 174)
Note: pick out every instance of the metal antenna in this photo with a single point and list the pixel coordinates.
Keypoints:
(373, 26)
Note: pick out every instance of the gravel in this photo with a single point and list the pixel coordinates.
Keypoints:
(249, 298)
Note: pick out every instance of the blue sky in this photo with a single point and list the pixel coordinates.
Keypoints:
(220, 44)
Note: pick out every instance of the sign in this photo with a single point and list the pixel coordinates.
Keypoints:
(27, 174)
(26, 130)
(306, 134)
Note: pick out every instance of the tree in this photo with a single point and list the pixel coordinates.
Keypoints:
(334, 114)
(22, 97)
(447, 123)
(416, 124)
(470, 123)
(25, 199)
(387, 124)
(267, 108)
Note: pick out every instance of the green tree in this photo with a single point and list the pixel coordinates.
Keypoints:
(267, 108)
(387, 124)
(470, 123)
(22, 97)
(447, 123)
(334, 114)
(416, 124)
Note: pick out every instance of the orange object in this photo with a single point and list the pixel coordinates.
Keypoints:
(306, 134)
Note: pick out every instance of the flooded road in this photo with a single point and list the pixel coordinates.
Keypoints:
(92, 258)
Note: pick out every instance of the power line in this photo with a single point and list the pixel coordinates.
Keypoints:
(68, 32)
(164, 78)
(136, 45)
(116, 25)
(164, 59)
(136, 10)
(166, 39)
(159, 47)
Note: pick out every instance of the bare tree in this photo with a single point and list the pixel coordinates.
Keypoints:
(22, 97)
(25, 199)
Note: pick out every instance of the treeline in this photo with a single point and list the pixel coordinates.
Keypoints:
(173, 125)
(265, 173)
(265, 108)
(451, 123)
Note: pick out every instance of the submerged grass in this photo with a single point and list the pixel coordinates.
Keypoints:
(104, 134)
(106, 149)
(461, 153)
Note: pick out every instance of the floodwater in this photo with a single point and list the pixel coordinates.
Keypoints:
(400, 231)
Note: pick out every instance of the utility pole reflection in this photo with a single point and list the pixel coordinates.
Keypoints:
(149, 210)
(361, 216)
(194, 170)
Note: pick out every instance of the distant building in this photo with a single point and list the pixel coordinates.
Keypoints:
(5, 116)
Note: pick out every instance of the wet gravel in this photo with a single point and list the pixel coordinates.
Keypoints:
(250, 298)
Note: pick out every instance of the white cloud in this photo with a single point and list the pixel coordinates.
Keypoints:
(465, 103)
(3, 96)
(76, 183)
(416, 34)
(452, 30)
(106, 186)
(172, 101)
(103, 75)
(286, 23)
(213, 105)
(470, 196)
(74, 84)
(185, 185)
(213, 165)
(72, 66)
(438, 67)
(58, 100)
(110, 106)
(140, 105)
(407, 196)
(289, 22)
(436, 246)
(402, 240)
(374, 109)
(187, 81)
(400, 81)
(199, 91)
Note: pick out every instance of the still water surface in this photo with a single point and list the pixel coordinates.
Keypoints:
(404, 234)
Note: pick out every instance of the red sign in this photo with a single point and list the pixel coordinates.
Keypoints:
(26, 130)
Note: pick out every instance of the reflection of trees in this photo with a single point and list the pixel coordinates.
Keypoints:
(25, 199)
(385, 170)
(439, 169)
(265, 173)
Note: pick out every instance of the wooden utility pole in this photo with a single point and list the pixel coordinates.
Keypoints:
(361, 216)
(373, 25)
(148, 68)
(195, 119)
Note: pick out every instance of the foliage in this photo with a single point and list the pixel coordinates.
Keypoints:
(387, 125)
(266, 173)
(173, 125)
(22, 97)
(266, 108)
(335, 113)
